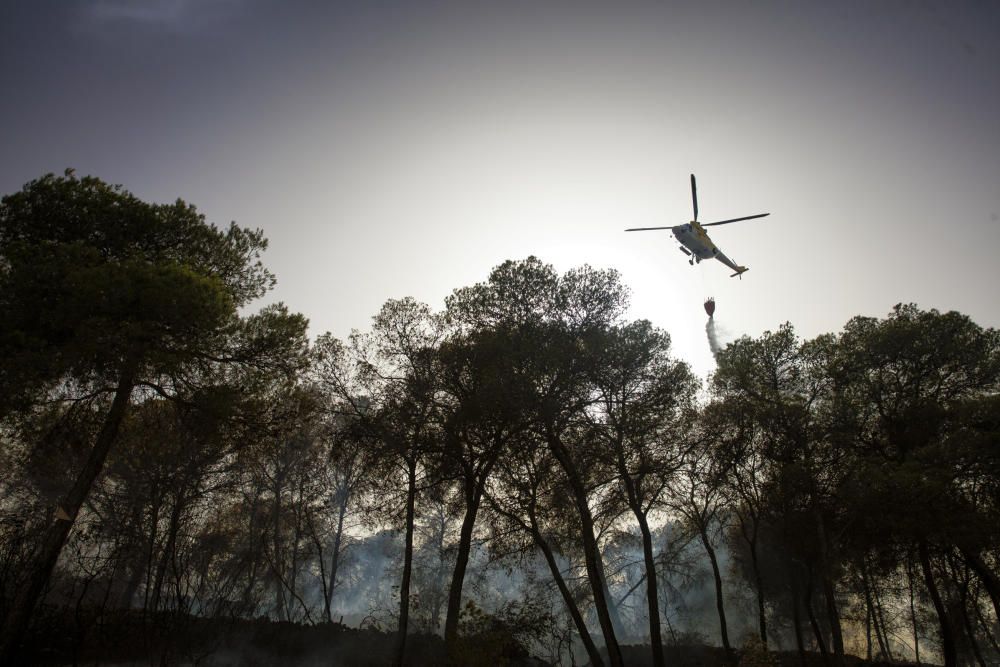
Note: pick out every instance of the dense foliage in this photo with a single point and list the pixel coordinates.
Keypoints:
(527, 473)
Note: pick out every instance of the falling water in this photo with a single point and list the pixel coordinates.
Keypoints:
(713, 337)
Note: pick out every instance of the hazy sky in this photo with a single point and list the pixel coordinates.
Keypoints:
(403, 149)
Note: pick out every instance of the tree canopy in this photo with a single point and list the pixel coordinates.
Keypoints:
(100, 294)
(526, 472)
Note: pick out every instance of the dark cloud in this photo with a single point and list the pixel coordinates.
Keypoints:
(178, 15)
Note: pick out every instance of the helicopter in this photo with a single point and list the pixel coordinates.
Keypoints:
(694, 239)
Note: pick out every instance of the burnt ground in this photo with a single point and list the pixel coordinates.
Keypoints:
(71, 637)
(714, 656)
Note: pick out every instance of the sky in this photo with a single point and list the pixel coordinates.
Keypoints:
(392, 149)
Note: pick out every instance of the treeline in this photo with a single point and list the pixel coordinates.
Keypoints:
(169, 454)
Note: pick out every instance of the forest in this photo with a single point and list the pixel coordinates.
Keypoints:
(524, 477)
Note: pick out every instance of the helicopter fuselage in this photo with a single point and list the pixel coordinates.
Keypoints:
(694, 237)
(696, 244)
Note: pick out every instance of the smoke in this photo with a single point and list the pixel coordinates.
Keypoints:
(713, 336)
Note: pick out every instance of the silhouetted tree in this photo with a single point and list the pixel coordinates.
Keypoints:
(644, 398)
(135, 295)
(900, 380)
(347, 453)
(528, 493)
(385, 380)
(783, 382)
(549, 317)
(480, 417)
(745, 470)
(699, 499)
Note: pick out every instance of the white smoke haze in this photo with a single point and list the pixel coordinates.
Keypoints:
(369, 594)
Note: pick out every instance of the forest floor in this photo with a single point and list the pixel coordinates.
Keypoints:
(70, 637)
(714, 656)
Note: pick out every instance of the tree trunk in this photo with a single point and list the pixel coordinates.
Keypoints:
(247, 601)
(437, 600)
(335, 556)
(758, 578)
(986, 575)
(652, 594)
(833, 615)
(27, 596)
(868, 632)
(590, 549)
(759, 583)
(948, 650)
(458, 574)
(970, 629)
(168, 550)
(137, 572)
(880, 622)
(404, 585)
(817, 631)
(797, 619)
(986, 624)
(871, 618)
(613, 613)
(829, 594)
(293, 575)
(719, 605)
(150, 551)
(574, 611)
(137, 561)
(320, 560)
(280, 606)
(913, 609)
(652, 601)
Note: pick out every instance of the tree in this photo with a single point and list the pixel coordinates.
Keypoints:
(480, 419)
(135, 295)
(745, 470)
(783, 383)
(284, 459)
(644, 400)
(910, 383)
(385, 381)
(169, 457)
(548, 318)
(701, 502)
(344, 477)
(528, 495)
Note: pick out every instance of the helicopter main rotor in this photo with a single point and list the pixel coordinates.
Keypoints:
(694, 203)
